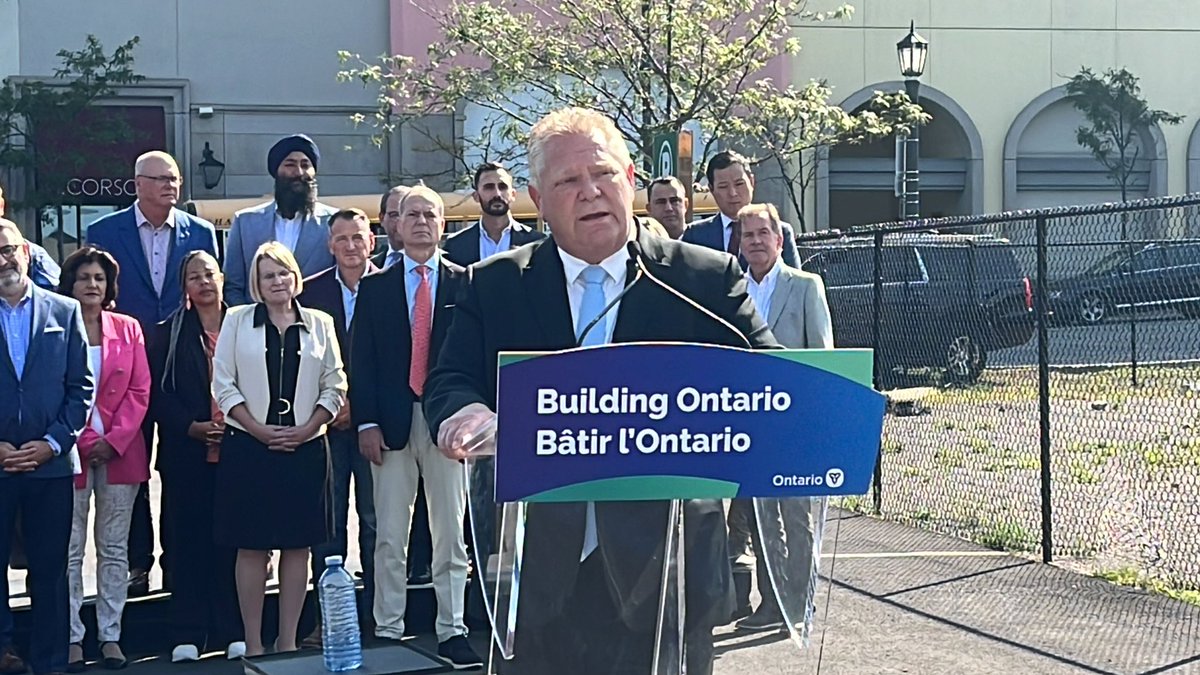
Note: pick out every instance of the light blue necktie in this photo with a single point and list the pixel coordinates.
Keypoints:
(592, 305)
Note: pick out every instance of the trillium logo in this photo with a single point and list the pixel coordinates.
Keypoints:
(835, 477)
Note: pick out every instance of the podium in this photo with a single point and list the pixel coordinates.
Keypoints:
(598, 500)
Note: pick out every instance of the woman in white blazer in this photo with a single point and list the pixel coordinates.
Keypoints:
(278, 379)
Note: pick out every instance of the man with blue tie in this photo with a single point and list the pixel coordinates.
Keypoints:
(149, 241)
(389, 220)
(400, 343)
(46, 390)
(732, 184)
(294, 218)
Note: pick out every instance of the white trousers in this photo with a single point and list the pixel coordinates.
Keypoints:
(114, 508)
(395, 489)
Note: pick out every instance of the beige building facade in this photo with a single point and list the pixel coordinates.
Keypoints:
(1002, 135)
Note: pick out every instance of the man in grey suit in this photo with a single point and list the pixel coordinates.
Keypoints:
(732, 184)
(796, 311)
(294, 218)
(46, 389)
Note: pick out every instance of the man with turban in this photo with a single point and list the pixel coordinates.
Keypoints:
(294, 218)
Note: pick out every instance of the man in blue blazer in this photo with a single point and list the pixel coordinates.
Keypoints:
(294, 218)
(46, 389)
(149, 241)
(732, 184)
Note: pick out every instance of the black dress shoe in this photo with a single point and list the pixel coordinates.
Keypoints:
(112, 657)
(420, 578)
(139, 583)
(75, 662)
(10, 663)
(761, 621)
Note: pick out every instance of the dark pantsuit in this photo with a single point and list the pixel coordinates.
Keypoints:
(345, 461)
(45, 507)
(141, 523)
(204, 607)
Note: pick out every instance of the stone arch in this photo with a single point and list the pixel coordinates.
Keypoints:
(964, 172)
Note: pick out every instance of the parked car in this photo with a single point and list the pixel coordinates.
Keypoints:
(947, 300)
(1156, 275)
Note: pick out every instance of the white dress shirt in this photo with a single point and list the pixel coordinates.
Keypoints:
(615, 265)
(489, 248)
(726, 230)
(761, 291)
(287, 232)
(349, 298)
(156, 244)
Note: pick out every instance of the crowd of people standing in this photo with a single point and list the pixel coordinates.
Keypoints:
(266, 384)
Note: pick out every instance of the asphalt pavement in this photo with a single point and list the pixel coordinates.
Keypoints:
(1161, 336)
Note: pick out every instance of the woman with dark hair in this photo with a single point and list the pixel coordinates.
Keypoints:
(190, 426)
(112, 450)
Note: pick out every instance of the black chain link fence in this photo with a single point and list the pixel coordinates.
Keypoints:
(1043, 371)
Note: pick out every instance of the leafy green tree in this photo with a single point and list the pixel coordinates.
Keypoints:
(31, 111)
(655, 66)
(1116, 116)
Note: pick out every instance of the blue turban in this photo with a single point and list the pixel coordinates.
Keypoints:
(288, 145)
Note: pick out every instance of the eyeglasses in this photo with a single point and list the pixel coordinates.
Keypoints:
(9, 251)
(162, 180)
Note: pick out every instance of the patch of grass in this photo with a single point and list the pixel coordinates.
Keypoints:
(1128, 576)
(951, 458)
(891, 446)
(1006, 537)
(984, 426)
(977, 444)
(1106, 384)
(911, 472)
(1181, 453)
(949, 425)
(852, 503)
(1082, 473)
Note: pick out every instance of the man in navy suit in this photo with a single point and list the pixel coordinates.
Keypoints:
(294, 218)
(149, 241)
(496, 231)
(42, 268)
(732, 184)
(335, 292)
(46, 389)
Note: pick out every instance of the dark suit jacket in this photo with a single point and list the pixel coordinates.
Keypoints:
(53, 396)
(463, 247)
(710, 232)
(382, 337)
(117, 233)
(185, 397)
(322, 291)
(518, 301)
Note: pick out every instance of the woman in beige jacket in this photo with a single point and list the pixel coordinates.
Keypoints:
(278, 379)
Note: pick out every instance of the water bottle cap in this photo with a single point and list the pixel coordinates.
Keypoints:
(333, 560)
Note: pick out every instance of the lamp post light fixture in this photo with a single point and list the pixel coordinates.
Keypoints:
(211, 168)
(912, 51)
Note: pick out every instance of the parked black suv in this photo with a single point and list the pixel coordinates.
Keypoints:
(948, 299)
(1159, 275)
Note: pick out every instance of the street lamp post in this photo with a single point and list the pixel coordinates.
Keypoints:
(912, 51)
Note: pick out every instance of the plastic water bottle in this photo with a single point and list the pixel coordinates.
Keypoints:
(341, 640)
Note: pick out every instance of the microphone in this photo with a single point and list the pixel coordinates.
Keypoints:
(635, 252)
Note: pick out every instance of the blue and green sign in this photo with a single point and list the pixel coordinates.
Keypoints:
(681, 421)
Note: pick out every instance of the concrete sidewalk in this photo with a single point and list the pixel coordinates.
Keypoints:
(908, 601)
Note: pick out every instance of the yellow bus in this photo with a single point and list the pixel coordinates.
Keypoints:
(461, 208)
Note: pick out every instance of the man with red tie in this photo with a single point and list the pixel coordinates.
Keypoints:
(401, 343)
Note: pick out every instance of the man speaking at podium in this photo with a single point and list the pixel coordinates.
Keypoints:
(591, 574)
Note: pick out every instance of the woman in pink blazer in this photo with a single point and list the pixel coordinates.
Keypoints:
(112, 450)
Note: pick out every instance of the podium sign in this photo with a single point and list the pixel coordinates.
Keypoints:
(679, 421)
